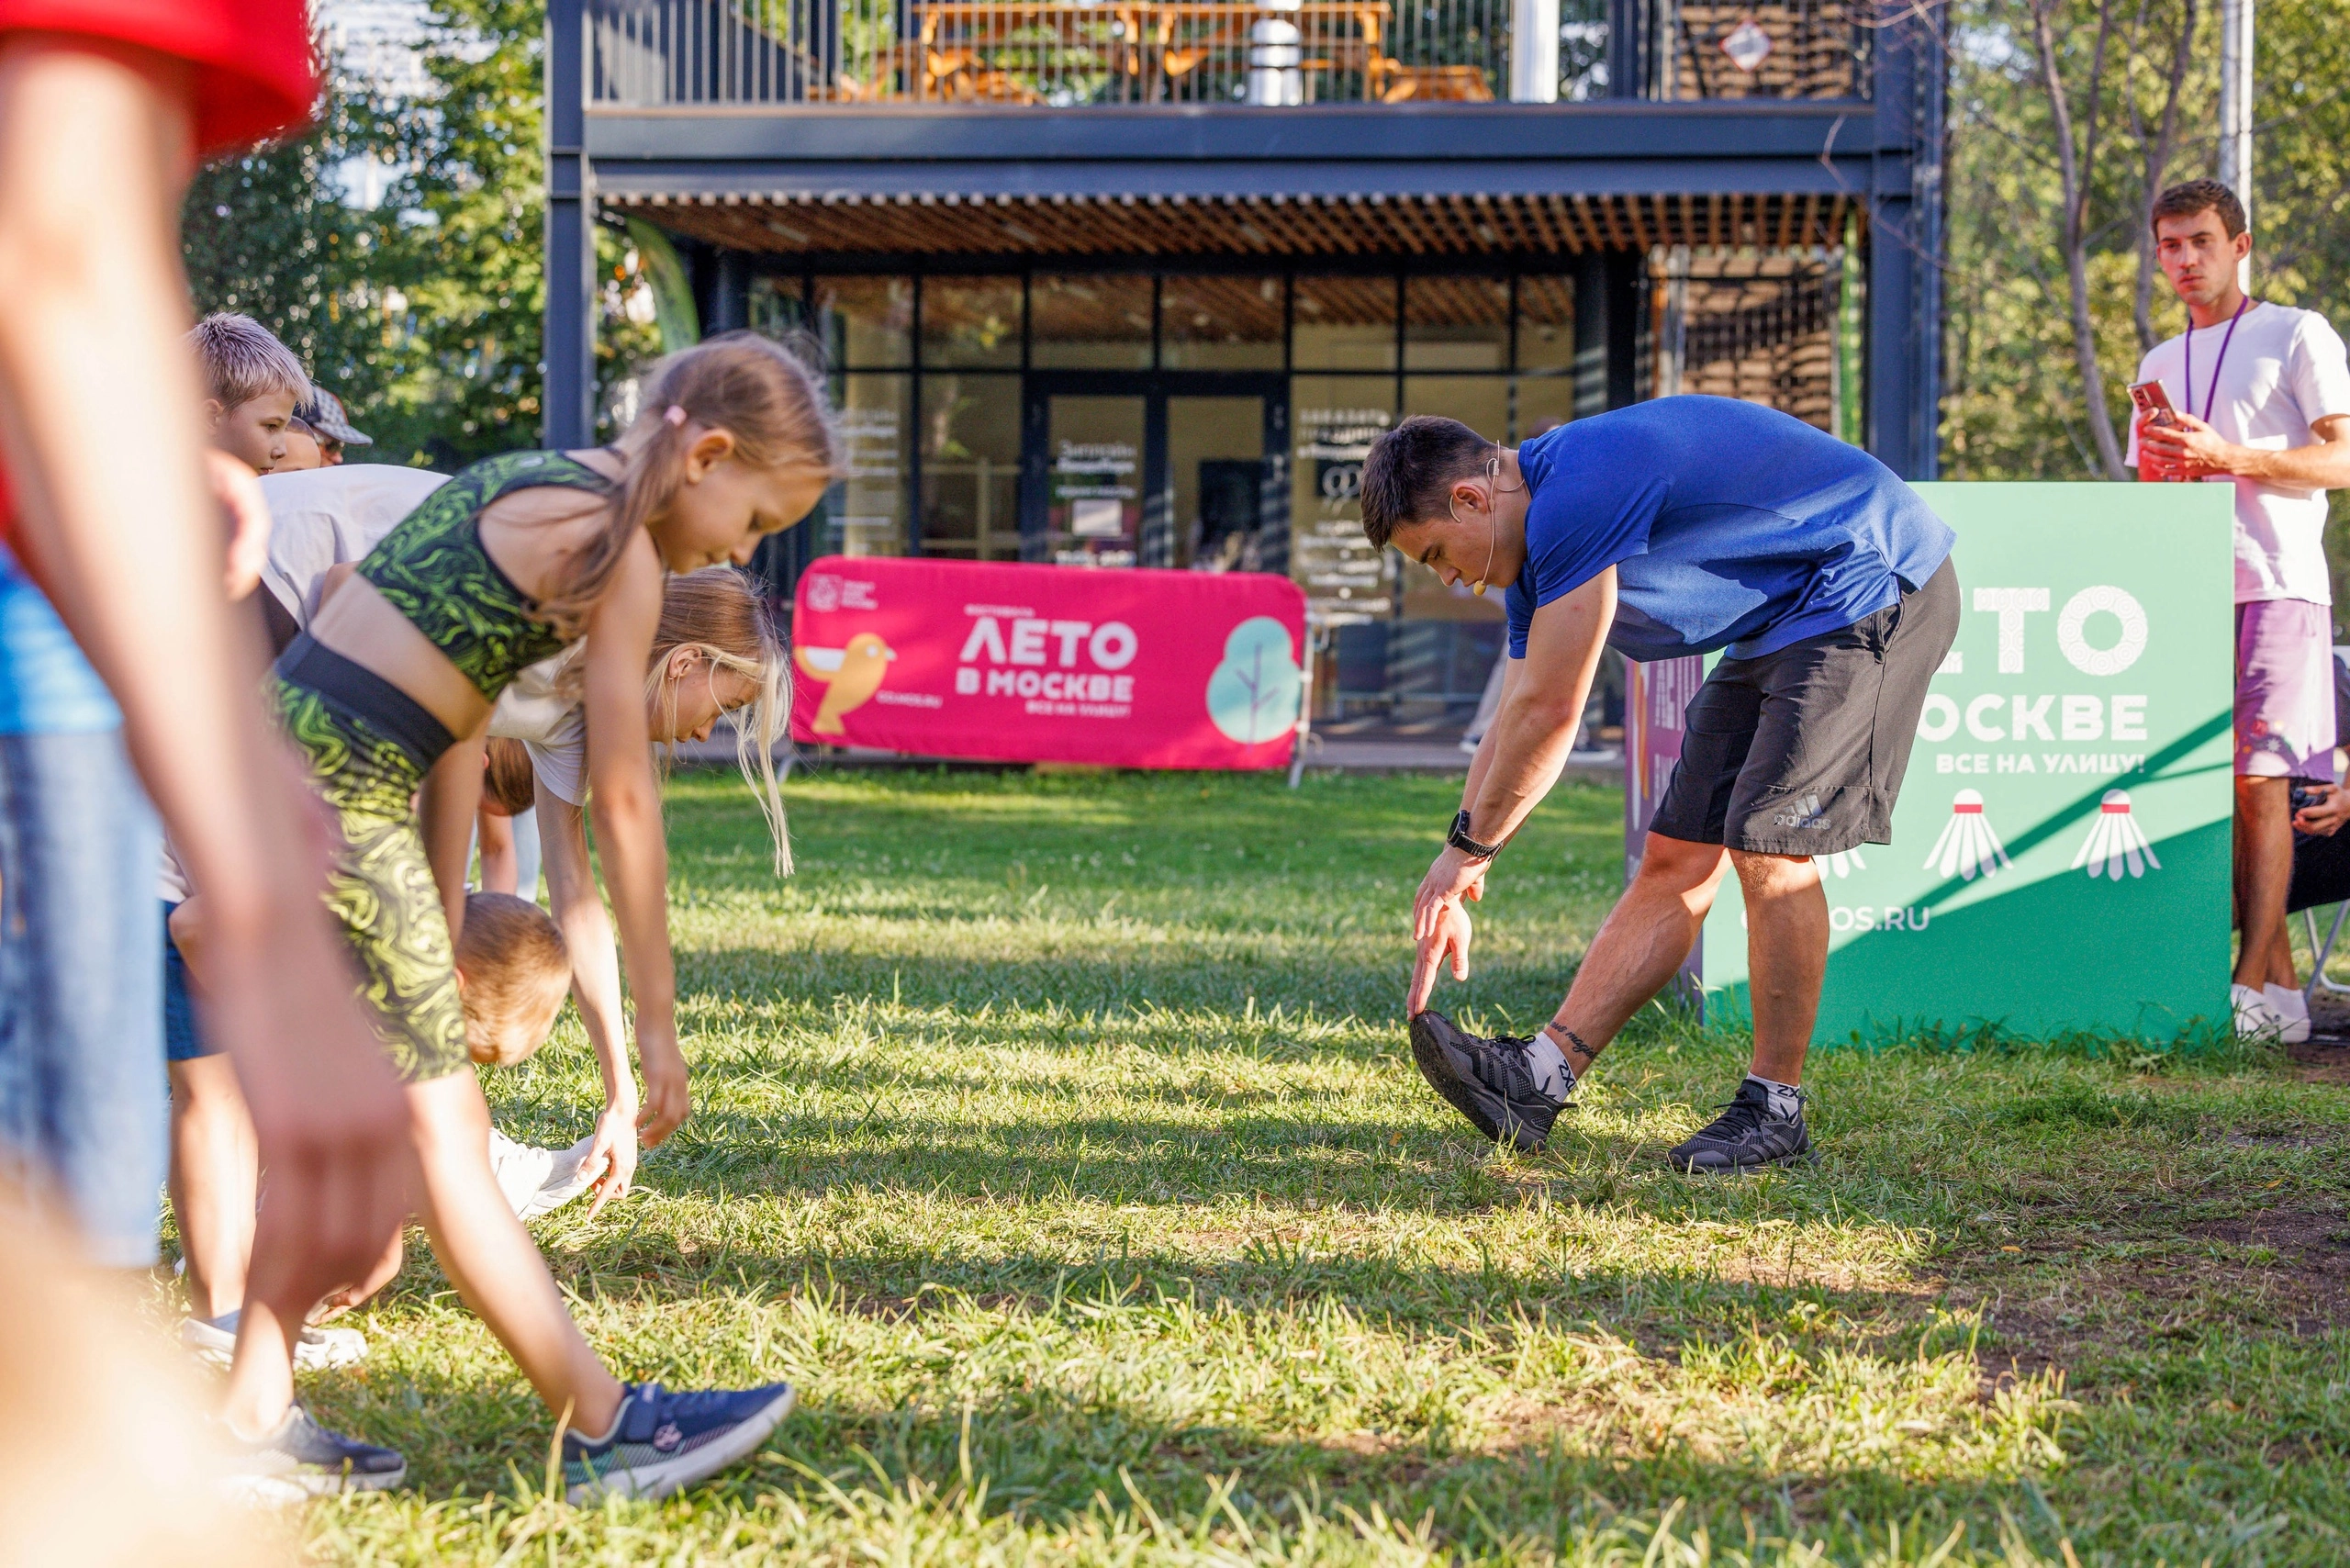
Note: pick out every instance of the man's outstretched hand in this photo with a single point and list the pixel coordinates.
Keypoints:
(1449, 939)
(1440, 923)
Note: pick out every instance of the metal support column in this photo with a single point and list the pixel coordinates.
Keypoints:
(1608, 330)
(568, 395)
(1904, 243)
(730, 294)
(1624, 70)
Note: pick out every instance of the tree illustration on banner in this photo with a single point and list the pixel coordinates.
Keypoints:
(1252, 696)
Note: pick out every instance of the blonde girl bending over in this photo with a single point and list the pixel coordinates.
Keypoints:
(716, 651)
(503, 567)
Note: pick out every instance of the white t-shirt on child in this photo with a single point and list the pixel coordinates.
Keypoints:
(319, 517)
(542, 709)
(2283, 372)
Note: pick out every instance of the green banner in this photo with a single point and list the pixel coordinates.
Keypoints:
(2060, 858)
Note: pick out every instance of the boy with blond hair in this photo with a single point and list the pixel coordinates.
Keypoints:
(252, 384)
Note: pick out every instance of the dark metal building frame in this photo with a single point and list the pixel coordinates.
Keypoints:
(1882, 154)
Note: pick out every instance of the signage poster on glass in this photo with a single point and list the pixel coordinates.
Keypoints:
(1096, 503)
(1345, 579)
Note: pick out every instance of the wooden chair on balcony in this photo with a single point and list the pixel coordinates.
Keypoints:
(1393, 82)
(962, 76)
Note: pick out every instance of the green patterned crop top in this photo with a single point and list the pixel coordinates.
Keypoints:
(433, 570)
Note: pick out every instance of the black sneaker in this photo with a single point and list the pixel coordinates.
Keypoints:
(664, 1440)
(302, 1459)
(1486, 1081)
(1745, 1136)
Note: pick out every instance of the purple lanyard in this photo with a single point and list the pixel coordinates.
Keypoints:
(2212, 396)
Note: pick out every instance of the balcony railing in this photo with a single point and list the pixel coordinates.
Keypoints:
(1064, 53)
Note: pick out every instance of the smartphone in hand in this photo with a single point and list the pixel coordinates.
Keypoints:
(2153, 407)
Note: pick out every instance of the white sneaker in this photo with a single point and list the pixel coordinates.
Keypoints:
(2255, 1019)
(2292, 1007)
(215, 1340)
(541, 1181)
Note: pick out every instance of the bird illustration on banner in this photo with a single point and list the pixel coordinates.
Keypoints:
(850, 676)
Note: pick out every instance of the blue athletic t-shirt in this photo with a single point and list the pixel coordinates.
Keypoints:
(1730, 526)
(47, 687)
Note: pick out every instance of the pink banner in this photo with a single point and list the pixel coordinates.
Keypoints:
(1655, 697)
(1048, 664)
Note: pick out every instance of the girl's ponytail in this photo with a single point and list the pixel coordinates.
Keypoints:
(747, 384)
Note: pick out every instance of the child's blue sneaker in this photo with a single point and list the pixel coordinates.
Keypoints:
(302, 1459)
(661, 1441)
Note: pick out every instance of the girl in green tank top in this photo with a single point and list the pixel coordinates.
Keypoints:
(495, 576)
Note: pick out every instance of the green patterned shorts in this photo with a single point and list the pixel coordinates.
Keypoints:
(381, 885)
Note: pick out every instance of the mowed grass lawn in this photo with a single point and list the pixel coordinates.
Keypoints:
(1059, 1138)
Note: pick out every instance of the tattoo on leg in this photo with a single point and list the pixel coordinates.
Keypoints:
(1575, 1048)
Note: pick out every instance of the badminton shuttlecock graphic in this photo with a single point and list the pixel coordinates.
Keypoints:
(1844, 863)
(1967, 846)
(2116, 842)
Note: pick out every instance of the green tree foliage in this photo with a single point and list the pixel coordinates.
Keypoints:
(423, 312)
(266, 234)
(2016, 405)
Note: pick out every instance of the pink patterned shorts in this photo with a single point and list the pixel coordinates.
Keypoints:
(2284, 690)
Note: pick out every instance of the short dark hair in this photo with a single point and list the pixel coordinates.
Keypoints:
(1411, 467)
(2199, 195)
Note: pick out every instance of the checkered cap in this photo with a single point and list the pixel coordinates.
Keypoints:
(326, 415)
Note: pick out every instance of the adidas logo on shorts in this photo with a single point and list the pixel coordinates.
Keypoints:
(1807, 815)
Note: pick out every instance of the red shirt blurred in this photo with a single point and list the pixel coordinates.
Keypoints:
(253, 74)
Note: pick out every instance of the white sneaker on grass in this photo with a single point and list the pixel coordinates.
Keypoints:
(215, 1340)
(2292, 1008)
(2255, 1018)
(541, 1181)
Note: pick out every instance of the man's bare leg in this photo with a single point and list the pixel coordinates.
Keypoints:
(2263, 872)
(1786, 958)
(1644, 940)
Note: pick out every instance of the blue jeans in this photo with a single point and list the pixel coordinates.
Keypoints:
(83, 1107)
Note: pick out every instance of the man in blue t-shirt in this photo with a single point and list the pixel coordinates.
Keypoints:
(1687, 525)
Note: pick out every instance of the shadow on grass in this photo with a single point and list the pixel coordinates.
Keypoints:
(1489, 1480)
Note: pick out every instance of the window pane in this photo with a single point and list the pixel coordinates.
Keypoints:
(866, 508)
(970, 322)
(1546, 322)
(970, 466)
(1217, 478)
(1345, 323)
(1093, 506)
(1481, 402)
(866, 321)
(1456, 323)
(1334, 420)
(777, 308)
(1100, 321)
(1220, 323)
(1544, 403)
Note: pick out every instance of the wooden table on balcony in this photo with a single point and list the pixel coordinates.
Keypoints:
(958, 45)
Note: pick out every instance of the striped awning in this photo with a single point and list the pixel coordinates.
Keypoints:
(1254, 225)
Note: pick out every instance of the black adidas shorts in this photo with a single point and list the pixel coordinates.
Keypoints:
(1801, 751)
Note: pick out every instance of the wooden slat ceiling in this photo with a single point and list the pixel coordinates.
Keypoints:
(1269, 225)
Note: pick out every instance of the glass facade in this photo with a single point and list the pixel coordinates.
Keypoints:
(1209, 422)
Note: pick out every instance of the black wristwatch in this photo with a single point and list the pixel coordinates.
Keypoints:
(1458, 839)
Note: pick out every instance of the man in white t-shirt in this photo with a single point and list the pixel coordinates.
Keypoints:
(2262, 396)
